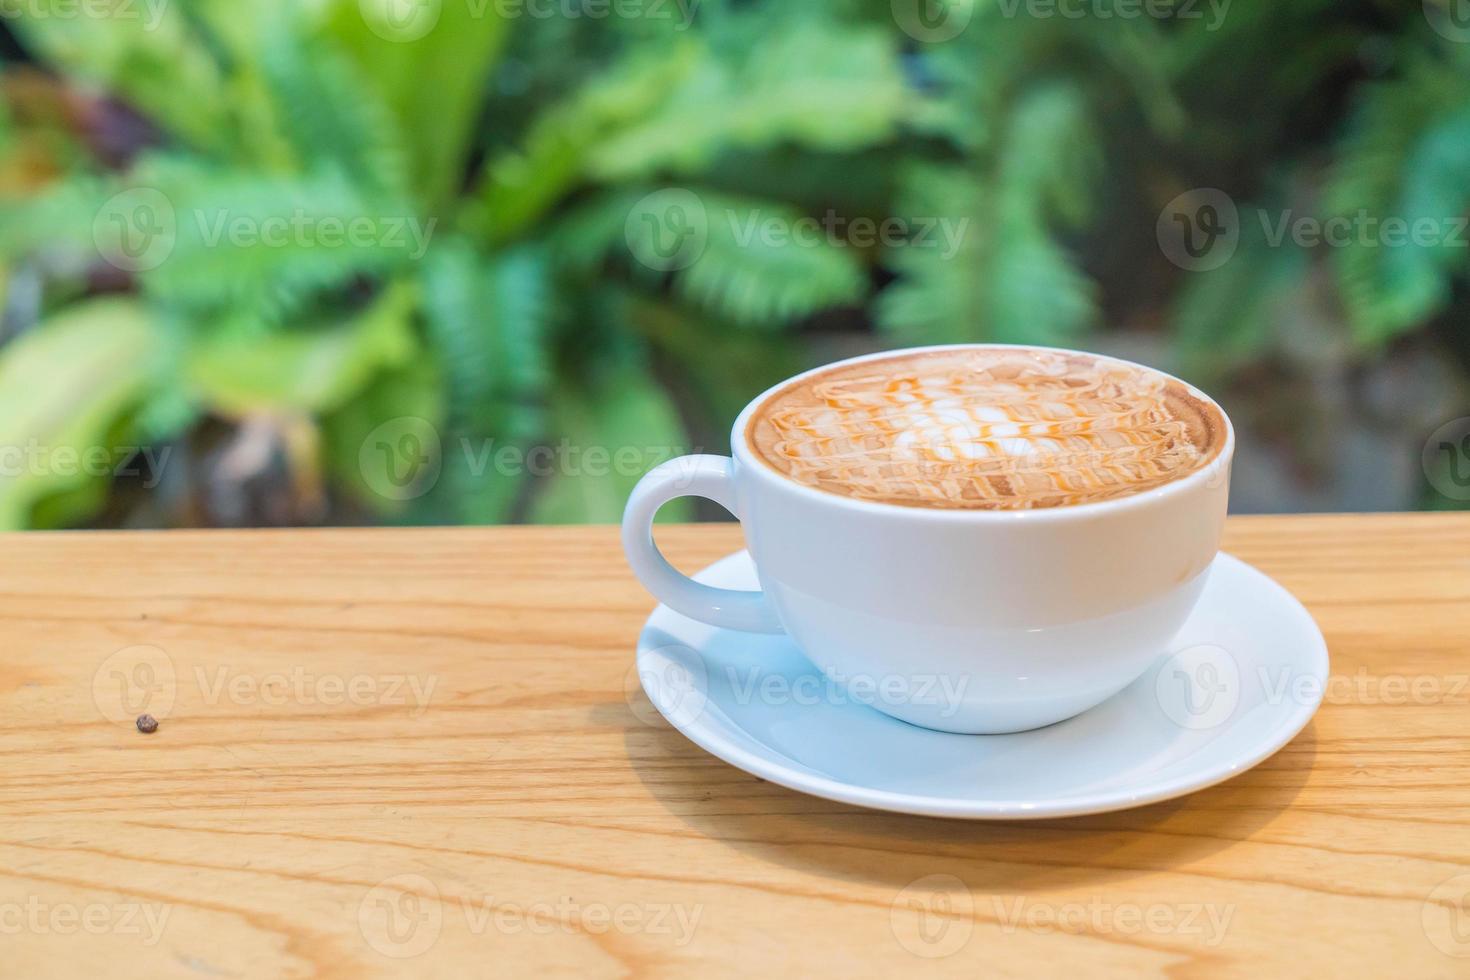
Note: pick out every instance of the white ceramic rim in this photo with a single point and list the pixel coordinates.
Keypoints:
(1314, 659)
(1213, 470)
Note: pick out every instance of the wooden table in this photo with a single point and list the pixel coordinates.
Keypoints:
(424, 752)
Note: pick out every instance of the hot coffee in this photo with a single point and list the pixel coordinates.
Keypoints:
(986, 428)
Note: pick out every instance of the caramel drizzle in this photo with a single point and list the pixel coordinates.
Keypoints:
(1034, 434)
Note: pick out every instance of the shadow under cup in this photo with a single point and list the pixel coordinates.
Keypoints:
(970, 621)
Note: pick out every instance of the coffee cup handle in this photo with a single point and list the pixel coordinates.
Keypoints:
(689, 476)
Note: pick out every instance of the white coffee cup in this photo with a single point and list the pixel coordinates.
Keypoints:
(972, 621)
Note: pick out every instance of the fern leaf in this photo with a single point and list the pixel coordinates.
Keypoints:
(434, 86)
(146, 54)
(264, 248)
(754, 269)
(1405, 161)
(1004, 277)
(750, 262)
(611, 431)
(489, 326)
(519, 186)
(1234, 314)
(816, 84)
(332, 119)
(60, 218)
(313, 370)
(675, 107)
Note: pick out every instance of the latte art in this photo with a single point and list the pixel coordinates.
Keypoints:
(986, 428)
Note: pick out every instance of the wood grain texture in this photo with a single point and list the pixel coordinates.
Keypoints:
(423, 752)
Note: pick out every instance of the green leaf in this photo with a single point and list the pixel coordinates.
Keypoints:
(411, 391)
(489, 326)
(432, 74)
(306, 370)
(520, 186)
(145, 53)
(61, 218)
(751, 262)
(994, 270)
(717, 369)
(766, 264)
(1406, 160)
(1232, 315)
(96, 360)
(612, 432)
(676, 107)
(261, 248)
(817, 84)
(332, 118)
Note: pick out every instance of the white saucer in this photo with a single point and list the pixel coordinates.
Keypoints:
(1243, 677)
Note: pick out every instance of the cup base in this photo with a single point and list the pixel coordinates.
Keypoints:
(1243, 675)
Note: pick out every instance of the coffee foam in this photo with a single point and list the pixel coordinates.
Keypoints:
(986, 429)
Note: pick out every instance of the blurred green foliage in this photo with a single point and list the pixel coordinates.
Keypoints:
(506, 297)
